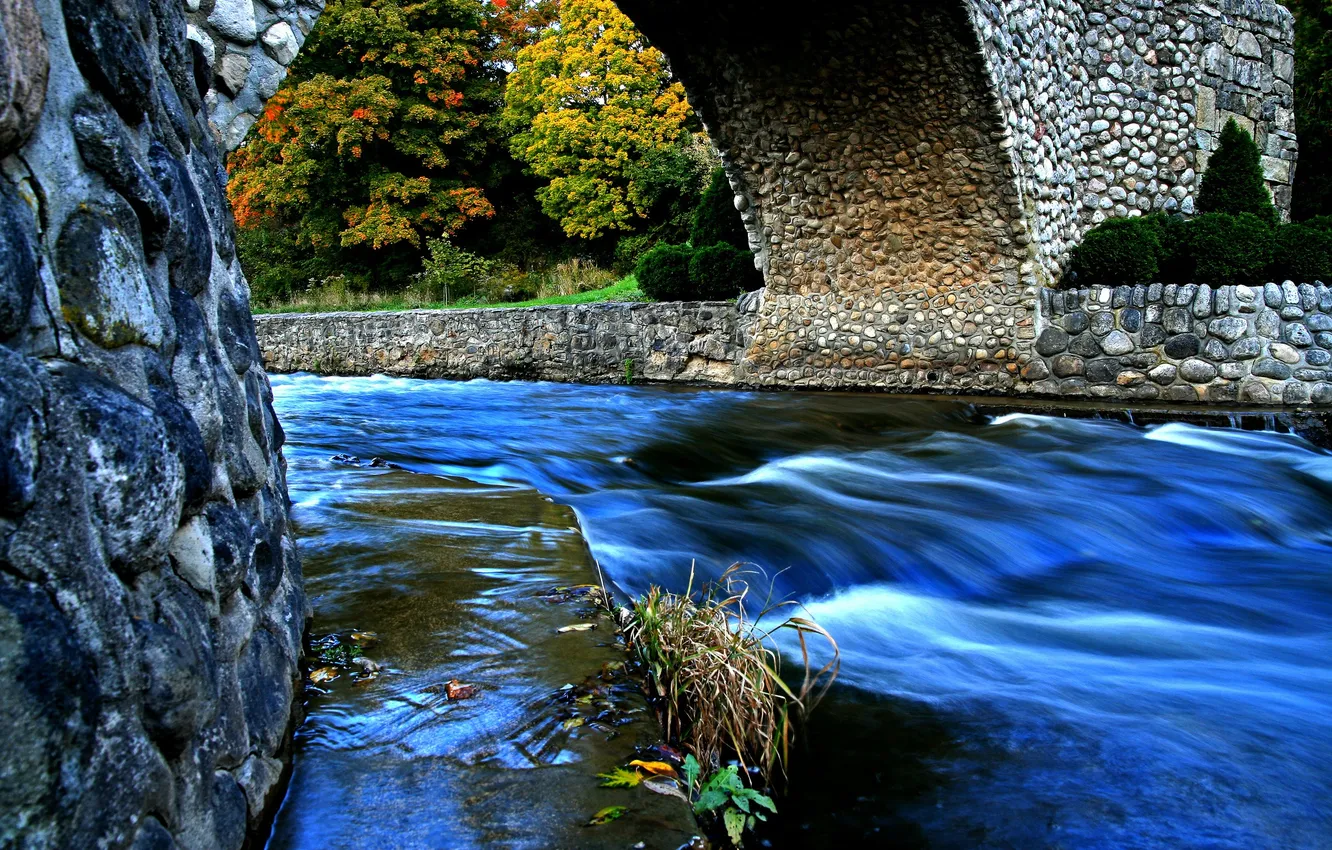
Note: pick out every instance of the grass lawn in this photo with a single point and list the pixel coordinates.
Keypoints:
(623, 290)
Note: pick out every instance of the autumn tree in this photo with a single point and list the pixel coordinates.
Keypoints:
(374, 141)
(588, 104)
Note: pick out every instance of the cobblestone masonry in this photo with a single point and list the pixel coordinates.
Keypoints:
(1230, 345)
(585, 343)
(245, 47)
(151, 604)
(1253, 345)
(912, 172)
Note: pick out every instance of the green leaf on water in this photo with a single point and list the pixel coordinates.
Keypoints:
(607, 815)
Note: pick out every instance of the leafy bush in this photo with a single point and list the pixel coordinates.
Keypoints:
(1229, 248)
(663, 273)
(719, 272)
(1233, 182)
(629, 250)
(450, 272)
(725, 795)
(1302, 252)
(1121, 250)
(716, 219)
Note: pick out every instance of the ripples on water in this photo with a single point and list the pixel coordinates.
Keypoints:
(1055, 633)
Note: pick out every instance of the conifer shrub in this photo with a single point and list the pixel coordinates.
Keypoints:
(1233, 182)
(663, 273)
(719, 272)
(1119, 251)
(716, 219)
(1302, 252)
(1235, 240)
(1174, 261)
(1229, 249)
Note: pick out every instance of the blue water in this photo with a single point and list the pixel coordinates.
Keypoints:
(1054, 632)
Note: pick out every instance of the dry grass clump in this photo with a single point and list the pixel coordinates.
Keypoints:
(714, 667)
(571, 277)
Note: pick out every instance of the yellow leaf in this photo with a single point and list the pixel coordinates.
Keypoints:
(657, 768)
(324, 674)
(573, 723)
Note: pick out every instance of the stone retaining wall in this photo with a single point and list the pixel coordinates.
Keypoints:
(1252, 345)
(151, 603)
(583, 343)
(1182, 344)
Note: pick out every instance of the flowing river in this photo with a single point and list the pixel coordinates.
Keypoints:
(1055, 632)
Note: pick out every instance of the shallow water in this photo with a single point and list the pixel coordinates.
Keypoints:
(1055, 633)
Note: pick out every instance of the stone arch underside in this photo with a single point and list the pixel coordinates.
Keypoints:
(869, 155)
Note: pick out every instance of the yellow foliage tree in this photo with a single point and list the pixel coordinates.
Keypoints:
(585, 103)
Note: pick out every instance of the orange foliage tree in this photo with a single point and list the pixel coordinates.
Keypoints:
(377, 140)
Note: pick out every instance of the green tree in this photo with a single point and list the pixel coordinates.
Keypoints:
(716, 219)
(588, 104)
(375, 141)
(1233, 182)
(1313, 107)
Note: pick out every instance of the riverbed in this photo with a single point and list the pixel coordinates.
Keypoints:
(1055, 632)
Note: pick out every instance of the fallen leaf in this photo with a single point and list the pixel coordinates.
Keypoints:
(457, 690)
(607, 815)
(573, 723)
(364, 637)
(620, 778)
(662, 785)
(324, 674)
(577, 627)
(657, 768)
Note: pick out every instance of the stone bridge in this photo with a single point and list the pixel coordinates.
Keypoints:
(912, 172)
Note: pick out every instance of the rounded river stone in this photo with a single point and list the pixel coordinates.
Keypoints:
(24, 66)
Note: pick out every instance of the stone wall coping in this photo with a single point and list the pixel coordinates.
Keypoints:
(598, 306)
(1113, 297)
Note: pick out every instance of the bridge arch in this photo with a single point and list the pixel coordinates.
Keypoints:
(912, 172)
(868, 151)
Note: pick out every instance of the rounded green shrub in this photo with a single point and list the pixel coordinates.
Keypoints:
(1175, 263)
(1119, 251)
(719, 272)
(1321, 222)
(1229, 248)
(1233, 182)
(716, 219)
(663, 273)
(1302, 253)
